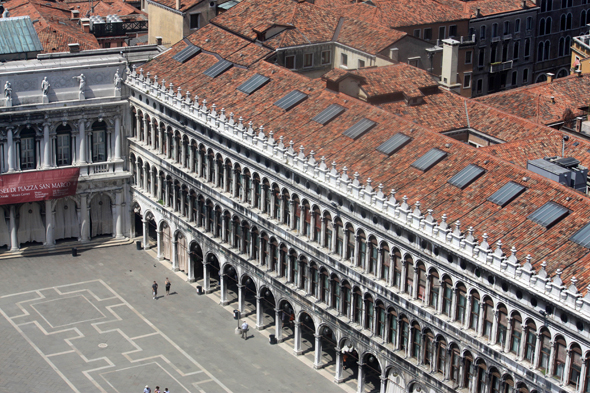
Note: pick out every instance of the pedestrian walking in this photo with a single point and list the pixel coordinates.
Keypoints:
(244, 330)
(157, 390)
(155, 289)
(167, 286)
(166, 390)
(147, 389)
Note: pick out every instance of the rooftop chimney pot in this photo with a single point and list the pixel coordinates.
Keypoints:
(550, 77)
(74, 48)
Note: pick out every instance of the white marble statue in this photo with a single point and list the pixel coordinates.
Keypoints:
(7, 90)
(82, 79)
(45, 86)
(117, 80)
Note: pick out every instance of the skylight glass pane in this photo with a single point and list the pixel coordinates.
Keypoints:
(253, 84)
(329, 114)
(218, 68)
(466, 176)
(549, 214)
(582, 237)
(430, 159)
(291, 100)
(394, 143)
(359, 128)
(506, 194)
(186, 53)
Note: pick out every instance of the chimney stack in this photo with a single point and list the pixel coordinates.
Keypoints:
(450, 60)
(394, 54)
(550, 77)
(75, 14)
(178, 4)
(158, 40)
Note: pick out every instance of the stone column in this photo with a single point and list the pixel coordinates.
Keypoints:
(82, 141)
(174, 198)
(174, 255)
(361, 379)
(263, 191)
(146, 245)
(282, 217)
(404, 279)
(10, 144)
(323, 241)
(297, 338)
(117, 152)
(118, 216)
(566, 372)
(480, 319)
(191, 159)
(49, 225)
(338, 366)
(383, 387)
(159, 244)
(357, 247)
(14, 245)
(537, 355)
(226, 172)
(223, 289)
(317, 359)
(241, 298)
(506, 344)
(259, 320)
(144, 130)
(206, 277)
(162, 140)
(182, 153)
(153, 130)
(159, 192)
(467, 314)
(391, 269)
(583, 373)
(199, 162)
(85, 227)
(301, 230)
(137, 126)
(46, 145)
(367, 260)
(493, 336)
(191, 269)
(191, 205)
(278, 325)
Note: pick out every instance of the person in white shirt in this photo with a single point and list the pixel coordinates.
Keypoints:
(244, 330)
(147, 389)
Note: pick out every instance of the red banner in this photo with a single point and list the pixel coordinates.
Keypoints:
(38, 186)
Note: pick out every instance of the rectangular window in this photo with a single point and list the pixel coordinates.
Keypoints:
(482, 33)
(194, 21)
(428, 34)
(466, 81)
(361, 63)
(468, 57)
(516, 50)
(525, 75)
(344, 59)
(479, 85)
(290, 62)
(64, 156)
(506, 27)
(529, 23)
(99, 146)
(326, 57)
(442, 32)
(514, 78)
(417, 33)
(27, 151)
(517, 26)
(453, 31)
(308, 60)
(495, 30)
(481, 59)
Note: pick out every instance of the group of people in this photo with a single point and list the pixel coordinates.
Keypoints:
(155, 288)
(156, 390)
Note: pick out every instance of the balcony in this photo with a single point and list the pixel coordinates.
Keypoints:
(118, 28)
(499, 67)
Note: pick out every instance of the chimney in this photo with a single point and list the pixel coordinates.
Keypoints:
(85, 22)
(178, 4)
(74, 48)
(550, 77)
(75, 14)
(450, 59)
(393, 54)
(523, 4)
(158, 40)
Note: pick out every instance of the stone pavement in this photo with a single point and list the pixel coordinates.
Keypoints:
(89, 324)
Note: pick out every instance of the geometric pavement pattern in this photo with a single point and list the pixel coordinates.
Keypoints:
(78, 330)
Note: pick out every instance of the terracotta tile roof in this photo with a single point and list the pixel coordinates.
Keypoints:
(104, 8)
(396, 13)
(302, 23)
(569, 93)
(184, 4)
(53, 25)
(469, 205)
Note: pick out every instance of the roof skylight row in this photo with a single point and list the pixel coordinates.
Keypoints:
(253, 84)
(187, 53)
(394, 143)
(291, 100)
(430, 159)
(359, 128)
(218, 68)
(329, 114)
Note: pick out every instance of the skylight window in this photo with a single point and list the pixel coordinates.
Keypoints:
(430, 159)
(329, 114)
(187, 53)
(359, 128)
(291, 100)
(582, 237)
(549, 214)
(507, 194)
(466, 176)
(394, 143)
(218, 68)
(253, 84)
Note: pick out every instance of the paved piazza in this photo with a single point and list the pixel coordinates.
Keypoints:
(89, 324)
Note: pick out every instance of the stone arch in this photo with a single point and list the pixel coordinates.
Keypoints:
(101, 214)
(66, 219)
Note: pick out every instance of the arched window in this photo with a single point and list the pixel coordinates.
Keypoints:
(63, 150)
(502, 325)
(325, 283)
(386, 261)
(416, 341)
(447, 296)
(482, 32)
(255, 250)
(335, 283)
(236, 233)
(215, 221)
(99, 141)
(540, 51)
(306, 220)
(257, 190)
(276, 197)
(421, 271)
(428, 340)
(346, 293)
(441, 356)
(474, 312)
(315, 276)
(561, 47)
(515, 50)
(516, 334)
(575, 376)
(547, 54)
(531, 341)
(397, 268)
(369, 313)
(543, 5)
(283, 260)
(392, 327)
(583, 18)
(405, 333)
(286, 211)
(265, 249)
(327, 241)
(373, 256)
(409, 275)
(247, 183)
(305, 277)
(545, 350)
(266, 203)
(297, 209)
(542, 26)
(568, 46)
(381, 320)
(349, 233)
(495, 382)
(317, 230)
(548, 24)
(568, 23)
(357, 306)
(469, 369)
(455, 363)
(362, 254)
(434, 289)
(560, 358)
(461, 293)
(527, 47)
(339, 236)
(562, 23)
(488, 317)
